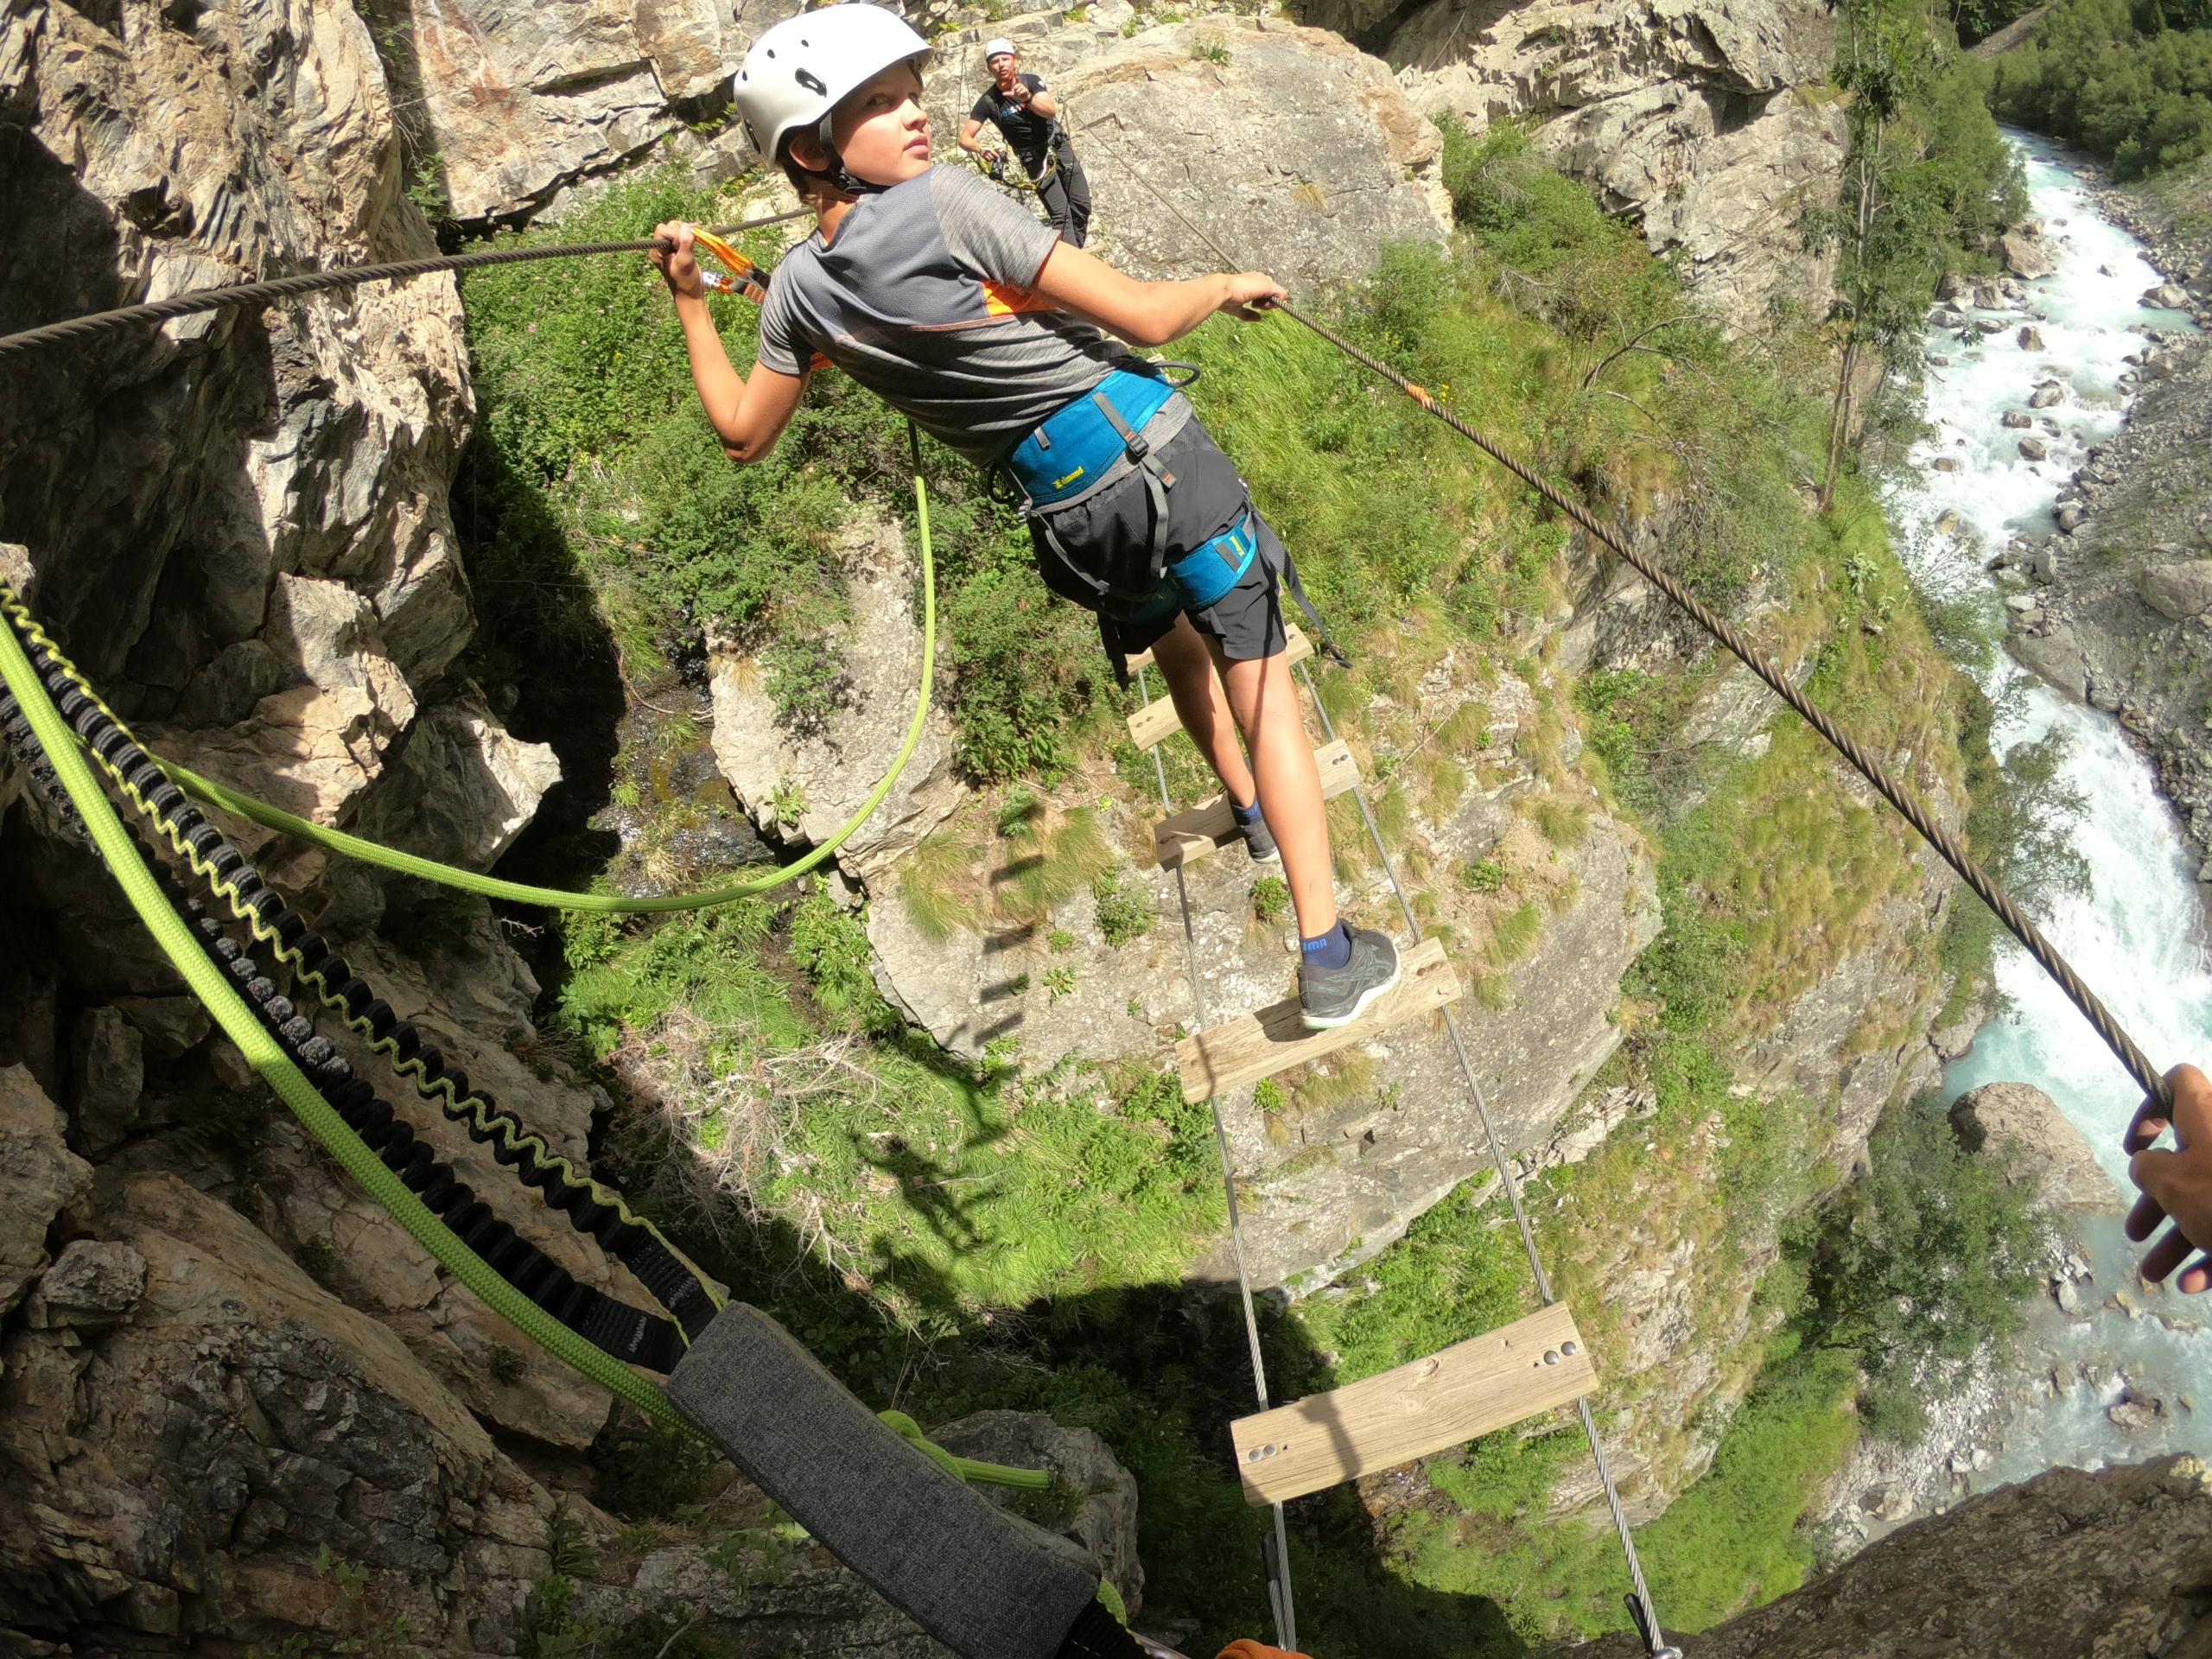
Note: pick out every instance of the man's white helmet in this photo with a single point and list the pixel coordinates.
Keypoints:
(797, 70)
(998, 47)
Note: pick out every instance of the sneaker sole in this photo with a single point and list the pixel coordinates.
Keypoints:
(1273, 855)
(1332, 1021)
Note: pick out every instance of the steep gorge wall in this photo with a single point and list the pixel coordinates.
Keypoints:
(1710, 121)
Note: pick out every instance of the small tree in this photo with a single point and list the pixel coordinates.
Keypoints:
(1926, 178)
(1922, 1262)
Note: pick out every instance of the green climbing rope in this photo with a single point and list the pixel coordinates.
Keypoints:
(276, 1067)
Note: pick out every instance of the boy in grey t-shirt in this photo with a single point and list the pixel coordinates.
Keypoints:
(965, 313)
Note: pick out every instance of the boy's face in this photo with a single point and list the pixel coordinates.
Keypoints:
(881, 129)
(1002, 67)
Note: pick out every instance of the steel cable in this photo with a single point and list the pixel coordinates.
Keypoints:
(243, 296)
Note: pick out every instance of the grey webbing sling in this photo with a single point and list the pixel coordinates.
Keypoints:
(986, 1584)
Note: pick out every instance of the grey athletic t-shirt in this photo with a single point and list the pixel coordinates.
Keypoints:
(922, 297)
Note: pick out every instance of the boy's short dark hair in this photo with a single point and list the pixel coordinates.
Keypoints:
(805, 180)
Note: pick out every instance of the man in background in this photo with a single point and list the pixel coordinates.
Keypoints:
(1027, 117)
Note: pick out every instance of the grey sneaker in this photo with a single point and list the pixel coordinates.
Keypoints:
(1259, 840)
(1329, 997)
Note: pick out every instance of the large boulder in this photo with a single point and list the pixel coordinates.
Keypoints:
(2067, 1566)
(1294, 151)
(2179, 591)
(2022, 1122)
(1700, 116)
(2026, 256)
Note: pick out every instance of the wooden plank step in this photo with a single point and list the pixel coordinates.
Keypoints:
(1428, 1406)
(1190, 834)
(1158, 720)
(1256, 1046)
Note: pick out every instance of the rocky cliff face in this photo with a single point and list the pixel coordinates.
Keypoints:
(2066, 1566)
(241, 1407)
(1711, 123)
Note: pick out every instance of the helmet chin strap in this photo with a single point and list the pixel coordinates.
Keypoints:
(840, 175)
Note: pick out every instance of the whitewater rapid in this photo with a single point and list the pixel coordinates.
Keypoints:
(2138, 935)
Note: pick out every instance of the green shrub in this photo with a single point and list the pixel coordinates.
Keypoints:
(832, 944)
(808, 682)
(1925, 1261)
(1122, 915)
(1271, 898)
(2128, 80)
(1483, 875)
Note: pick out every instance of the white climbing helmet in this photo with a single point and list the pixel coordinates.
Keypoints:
(797, 70)
(998, 47)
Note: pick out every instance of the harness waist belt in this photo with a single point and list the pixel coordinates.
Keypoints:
(1094, 440)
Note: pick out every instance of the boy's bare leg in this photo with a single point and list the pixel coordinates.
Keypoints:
(1187, 666)
(1266, 706)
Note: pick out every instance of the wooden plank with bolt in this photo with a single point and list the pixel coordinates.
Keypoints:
(1157, 721)
(1416, 1410)
(1259, 1044)
(1190, 834)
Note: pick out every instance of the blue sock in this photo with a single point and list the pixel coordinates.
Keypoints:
(1246, 815)
(1331, 950)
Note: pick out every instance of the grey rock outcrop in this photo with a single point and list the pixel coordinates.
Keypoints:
(40, 1174)
(1700, 117)
(523, 100)
(1333, 1182)
(2021, 1121)
(807, 783)
(1313, 157)
(2068, 1566)
(191, 1459)
(163, 482)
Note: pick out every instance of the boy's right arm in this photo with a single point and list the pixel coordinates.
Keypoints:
(971, 140)
(1148, 313)
(748, 413)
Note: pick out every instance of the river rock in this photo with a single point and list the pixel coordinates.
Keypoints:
(2030, 338)
(2047, 396)
(2167, 296)
(40, 1174)
(2136, 1413)
(1946, 463)
(2069, 518)
(2179, 591)
(2026, 256)
(1988, 326)
(2018, 419)
(2033, 449)
(2020, 1122)
(2062, 1567)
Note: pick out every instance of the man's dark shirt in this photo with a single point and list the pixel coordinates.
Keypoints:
(1028, 135)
